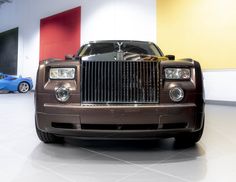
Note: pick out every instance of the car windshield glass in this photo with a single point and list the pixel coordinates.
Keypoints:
(133, 47)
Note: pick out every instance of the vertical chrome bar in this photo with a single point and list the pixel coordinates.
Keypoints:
(140, 82)
(120, 77)
(124, 81)
(137, 80)
(118, 81)
(102, 81)
(157, 73)
(112, 81)
(98, 81)
(95, 80)
(92, 81)
(105, 81)
(127, 81)
(130, 82)
(115, 81)
(150, 81)
(108, 81)
(146, 81)
(89, 82)
(154, 81)
(85, 73)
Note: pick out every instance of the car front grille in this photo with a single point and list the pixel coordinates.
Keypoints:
(124, 82)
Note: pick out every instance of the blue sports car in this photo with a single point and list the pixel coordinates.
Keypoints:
(14, 83)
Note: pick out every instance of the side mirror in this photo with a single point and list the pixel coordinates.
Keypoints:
(170, 57)
(69, 57)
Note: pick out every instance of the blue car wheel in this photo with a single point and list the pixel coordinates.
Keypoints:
(23, 87)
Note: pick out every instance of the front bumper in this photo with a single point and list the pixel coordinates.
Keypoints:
(109, 121)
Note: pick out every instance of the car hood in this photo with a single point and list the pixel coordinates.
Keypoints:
(122, 56)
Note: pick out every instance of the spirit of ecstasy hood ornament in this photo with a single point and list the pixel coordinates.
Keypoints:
(119, 45)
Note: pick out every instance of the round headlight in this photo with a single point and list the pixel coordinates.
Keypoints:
(176, 94)
(62, 94)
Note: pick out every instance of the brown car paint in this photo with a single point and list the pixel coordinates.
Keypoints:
(119, 121)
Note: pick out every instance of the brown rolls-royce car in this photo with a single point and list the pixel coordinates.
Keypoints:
(119, 90)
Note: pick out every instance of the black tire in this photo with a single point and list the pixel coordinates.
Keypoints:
(190, 138)
(48, 137)
(23, 87)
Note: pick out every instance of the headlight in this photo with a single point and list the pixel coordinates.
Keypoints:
(177, 73)
(176, 94)
(62, 94)
(62, 73)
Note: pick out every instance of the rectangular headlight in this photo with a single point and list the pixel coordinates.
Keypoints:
(177, 73)
(62, 73)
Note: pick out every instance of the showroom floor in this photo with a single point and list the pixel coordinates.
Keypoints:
(24, 158)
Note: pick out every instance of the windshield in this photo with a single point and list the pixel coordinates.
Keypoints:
(107, 47)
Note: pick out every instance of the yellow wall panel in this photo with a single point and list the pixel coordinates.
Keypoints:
(204, 30)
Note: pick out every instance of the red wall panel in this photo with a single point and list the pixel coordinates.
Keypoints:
(60, 34)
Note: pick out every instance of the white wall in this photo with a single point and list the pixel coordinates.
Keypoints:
(119, 19)
(100, 20)
(220, 85)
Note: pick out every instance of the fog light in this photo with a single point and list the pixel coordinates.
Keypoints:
(62, 94)
(176, 94)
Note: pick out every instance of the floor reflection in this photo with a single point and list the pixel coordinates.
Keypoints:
(100, 156)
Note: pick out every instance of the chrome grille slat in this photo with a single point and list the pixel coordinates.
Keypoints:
(107, 82)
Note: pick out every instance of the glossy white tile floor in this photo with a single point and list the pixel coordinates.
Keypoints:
(24, 158)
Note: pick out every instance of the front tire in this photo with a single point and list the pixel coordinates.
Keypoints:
(190, 138)
(23, 87)
(48, 137)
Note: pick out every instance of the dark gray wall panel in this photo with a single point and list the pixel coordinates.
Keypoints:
(9, 51)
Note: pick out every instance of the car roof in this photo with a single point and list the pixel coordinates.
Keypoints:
(115, 41)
